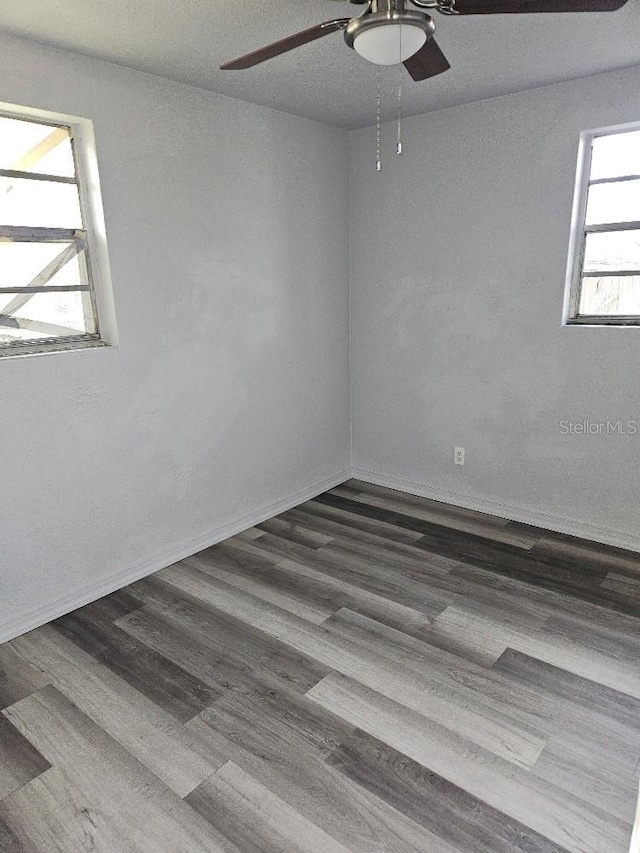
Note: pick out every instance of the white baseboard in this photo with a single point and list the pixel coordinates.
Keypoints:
(79, 597)
(536, 518)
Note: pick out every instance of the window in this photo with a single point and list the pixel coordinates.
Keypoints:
(54, 275)
(604, 287)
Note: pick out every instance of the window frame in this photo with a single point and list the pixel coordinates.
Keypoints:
(579, 231)
(95, 267)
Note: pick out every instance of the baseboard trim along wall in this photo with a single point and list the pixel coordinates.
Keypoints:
(79, 597)
(537, 518)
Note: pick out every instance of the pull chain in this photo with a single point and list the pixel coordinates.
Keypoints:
(378, 119)
(400, 72)
(399, 141)
(379, 110)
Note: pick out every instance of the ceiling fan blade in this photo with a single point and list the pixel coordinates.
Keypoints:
(427, 62)
(518, 7)
(285, 45)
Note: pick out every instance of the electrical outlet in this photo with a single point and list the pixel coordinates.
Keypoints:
(458, 455)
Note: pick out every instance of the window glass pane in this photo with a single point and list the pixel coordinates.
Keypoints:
(612, 250)
(58, 161)
(617, 202)
(44, 314)
(48, 315)
(615, 155)
(58, 309)
(610, 295)
(20, 263)
(39, 203)
(27, 146)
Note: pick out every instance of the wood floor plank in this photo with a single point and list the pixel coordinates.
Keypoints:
(432, 801)
(579, 552)
(364, 571)
(419, 509)
(196, 599)
(411, 563)
(261, 583)
(12, 843)
(421, 655)
(570, 581)
(150, 734)
(199, 653)
(491, 702)
(622, 583)
(466, 642)
(249, 534)
(535, 568)
(20, 761)
(605, 639)
(223, 555)
(510, 737)
(109, 608)
(52, 814)
(160, 680)
(547, 680)
(256, 819)
(389, 515)
(333, 593)
(295, 532)
(240, 563)
(392, 532)
(553, 647)
(154, 817)
(314, 516)
(548, 810)
(393, 554)
(18, 678)
(504, 599)
(372, 534)
(568, 761)
(480, 585)
(446, 509)
(351, 815)
(444, 587)
(440, 591)
(285, 718)
(469, 685)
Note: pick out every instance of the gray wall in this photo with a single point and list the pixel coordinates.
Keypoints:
(459, 251)
(228, 394)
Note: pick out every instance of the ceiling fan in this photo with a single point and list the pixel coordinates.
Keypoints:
(387, 32)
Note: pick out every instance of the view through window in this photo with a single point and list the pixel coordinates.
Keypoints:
(606, 280)
(47, 299)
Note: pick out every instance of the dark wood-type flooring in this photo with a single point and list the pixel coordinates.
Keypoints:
(369, 672)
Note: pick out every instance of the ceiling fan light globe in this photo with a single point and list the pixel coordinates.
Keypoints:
(389, 44)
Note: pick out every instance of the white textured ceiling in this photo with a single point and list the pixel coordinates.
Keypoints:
(186, 40)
